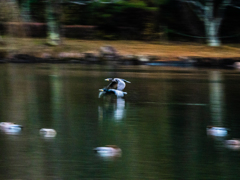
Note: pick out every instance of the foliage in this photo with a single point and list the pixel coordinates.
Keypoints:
(132, 18)
(113, 19)
(38, 11)
(4, 11)
(8, 12)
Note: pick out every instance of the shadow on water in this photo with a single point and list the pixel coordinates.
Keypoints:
(160, 125)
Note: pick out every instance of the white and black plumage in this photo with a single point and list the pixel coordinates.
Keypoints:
(108, 151)
(233, 144)
(10, 128)
(217, 131)
(118, 93)
(10, 125)
(117, 83)
(46, 132)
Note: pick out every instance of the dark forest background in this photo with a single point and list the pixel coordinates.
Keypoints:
(133, 20)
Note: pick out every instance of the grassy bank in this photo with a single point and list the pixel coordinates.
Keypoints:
(37, 47)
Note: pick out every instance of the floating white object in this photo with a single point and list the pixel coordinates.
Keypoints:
(46, 132)
(217, 131)
(10, 128)
(108, 151)
(10, 125)
(233, 144)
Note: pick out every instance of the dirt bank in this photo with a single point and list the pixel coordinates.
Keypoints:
(135, 52)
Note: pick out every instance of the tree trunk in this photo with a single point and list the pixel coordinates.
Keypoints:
(211, 25)
(212, 34)
(25, 11)
(52, 23)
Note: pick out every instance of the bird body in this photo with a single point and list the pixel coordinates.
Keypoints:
(118, 93)
(10, 125)
(46, 132)
(233, 144)
(10, 128)
(217, 131)
(108, 151)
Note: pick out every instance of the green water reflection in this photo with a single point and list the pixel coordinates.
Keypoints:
(160, 125)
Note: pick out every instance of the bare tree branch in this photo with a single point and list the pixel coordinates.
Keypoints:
(198, 8)
(91, 1)
(212, 15)
(235, 6)
(196, 3)
(78, 3)
(221, 11)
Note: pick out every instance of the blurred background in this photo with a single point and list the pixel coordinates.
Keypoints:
(202, 21)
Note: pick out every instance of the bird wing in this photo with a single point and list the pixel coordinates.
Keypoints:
(112, 85)
(101, 94)
(126, 81)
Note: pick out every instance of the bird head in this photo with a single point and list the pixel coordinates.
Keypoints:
(109, 79)
(103, 90)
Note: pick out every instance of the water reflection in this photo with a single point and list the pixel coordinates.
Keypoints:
(112, 106)
(217, 98)
(216, 128)
(160, 125)
(120, 109)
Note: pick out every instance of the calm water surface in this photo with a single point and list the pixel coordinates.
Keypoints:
(160, 125)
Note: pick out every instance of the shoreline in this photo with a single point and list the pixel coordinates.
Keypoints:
(119, 52)
(91, 58)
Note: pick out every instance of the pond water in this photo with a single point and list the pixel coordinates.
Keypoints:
(160, 125)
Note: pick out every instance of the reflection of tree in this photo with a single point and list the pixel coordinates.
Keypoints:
(57, 96)
(44, 111)
(216, 98)
(148, 149)
(21, 106)
(197, 155)
(16, 103)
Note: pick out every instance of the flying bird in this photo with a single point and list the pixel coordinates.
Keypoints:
(117, 83)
